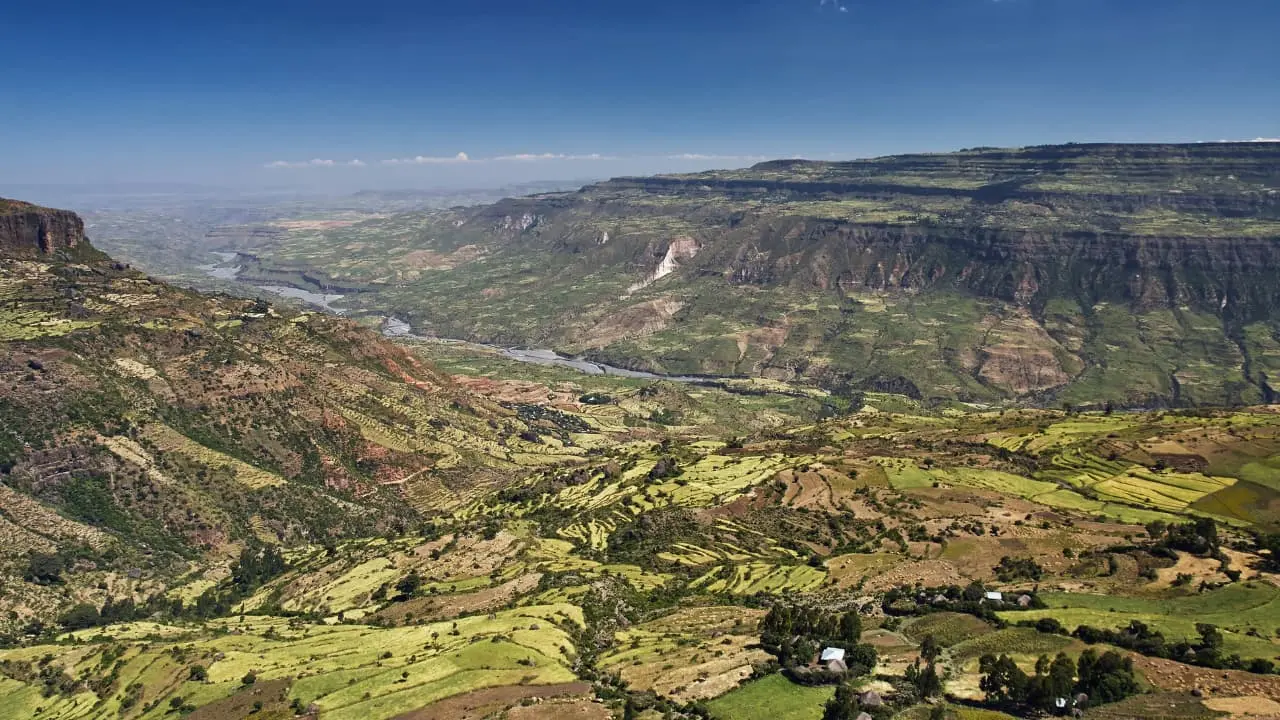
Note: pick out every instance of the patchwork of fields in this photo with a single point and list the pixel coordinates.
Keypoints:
(348, 671)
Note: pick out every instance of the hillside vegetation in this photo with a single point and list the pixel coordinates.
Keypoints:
(214, 507)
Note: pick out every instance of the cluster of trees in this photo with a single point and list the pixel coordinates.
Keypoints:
(52, 679)
(1011, 569)
(796, 634)
(1101, 679)
(1199, 537)
(253, 570)
(1206, 652)
(1268, 546)
(112, 611)
(665, 416)
(406, 587)
(47, 568)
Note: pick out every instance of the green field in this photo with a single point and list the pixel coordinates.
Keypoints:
(771, 698)
(1236, 609)
(947, 628)
(350, 671)
(1020, 643)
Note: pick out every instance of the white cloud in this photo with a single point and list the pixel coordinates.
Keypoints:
(426, 160)
(314, 162)
(1262, 139)
(535, 157)
(463, 158)
(527, 157)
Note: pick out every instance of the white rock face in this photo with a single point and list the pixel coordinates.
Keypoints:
(679, 250)
(525, 222)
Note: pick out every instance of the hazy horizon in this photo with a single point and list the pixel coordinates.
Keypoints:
(327, 96)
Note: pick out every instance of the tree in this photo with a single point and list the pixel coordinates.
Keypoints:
(409, 584)
(843, 705)
(861, 659)
(1002, 680)
(928, 684)
(1271, 545)
(1209, 649)
(930, 649)
(44, 569)
(1011, 569)
(249, 678)
(115, 612)
(974, 591)
(80, 617)
(1054, 679)
(850, 627)
(197, 673)
(1107, 678)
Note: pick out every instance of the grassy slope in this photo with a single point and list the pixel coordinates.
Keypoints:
(579, 538)
(771, 698)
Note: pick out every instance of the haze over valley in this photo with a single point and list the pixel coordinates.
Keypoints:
(731, 361)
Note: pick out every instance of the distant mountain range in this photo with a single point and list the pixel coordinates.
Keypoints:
(1129, 274)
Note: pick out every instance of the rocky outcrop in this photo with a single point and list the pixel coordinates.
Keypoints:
(1223, 179)
(1230, 276)
(28, 230)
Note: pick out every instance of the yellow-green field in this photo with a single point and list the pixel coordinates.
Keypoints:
(1248, 615)
(349, 671)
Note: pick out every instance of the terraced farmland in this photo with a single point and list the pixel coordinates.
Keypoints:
(348, 671)
(1248, 614)
(215, 508)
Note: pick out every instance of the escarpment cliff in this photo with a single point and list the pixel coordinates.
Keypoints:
(1142, 274)
(1233, 276)
(30, 230)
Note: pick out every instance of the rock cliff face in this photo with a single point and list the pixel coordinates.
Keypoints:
(1230, 276)
(1142, 274)
(31, 230)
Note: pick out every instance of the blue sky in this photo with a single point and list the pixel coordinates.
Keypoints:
(384, 93)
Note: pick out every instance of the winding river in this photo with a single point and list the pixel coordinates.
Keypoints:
(396, 328)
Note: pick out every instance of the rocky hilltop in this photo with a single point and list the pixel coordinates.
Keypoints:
(27, 229)
(1136, 274)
